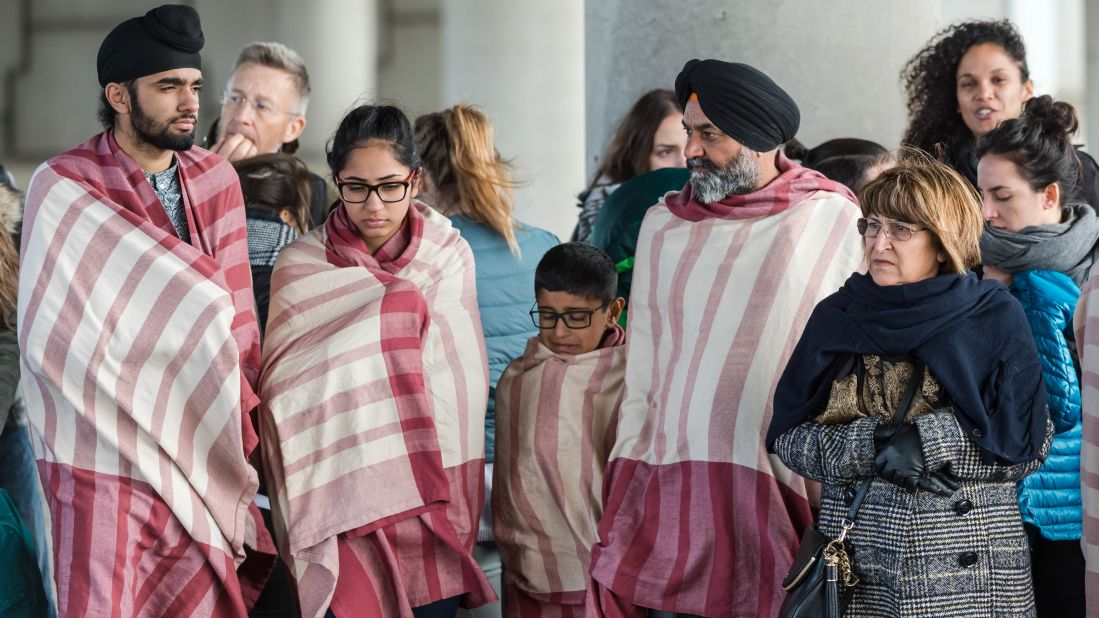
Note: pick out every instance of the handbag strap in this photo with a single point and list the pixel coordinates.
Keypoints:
(898, 418)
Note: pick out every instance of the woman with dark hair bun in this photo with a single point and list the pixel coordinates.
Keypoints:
(649, 137)
(374, 385)
(1040, 243)
(968, 79)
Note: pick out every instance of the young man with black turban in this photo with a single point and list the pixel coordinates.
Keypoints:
(699, 519)
(137, 330)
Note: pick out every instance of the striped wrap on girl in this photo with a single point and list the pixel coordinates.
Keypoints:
(555, 422)
(138, 351)
(698, 517)
(1086, 322)
(374, 386)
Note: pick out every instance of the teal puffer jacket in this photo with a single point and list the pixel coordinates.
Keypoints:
(1050, 498)
(505, 295)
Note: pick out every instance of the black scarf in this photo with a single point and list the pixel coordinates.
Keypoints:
(972, 335)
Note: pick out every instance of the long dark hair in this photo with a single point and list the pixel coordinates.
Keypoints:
(628, 153)
(930, 83)
(369, 122)
(1039, 143)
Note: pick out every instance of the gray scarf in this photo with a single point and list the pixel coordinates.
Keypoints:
(1066, 247)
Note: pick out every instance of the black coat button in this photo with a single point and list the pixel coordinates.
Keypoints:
(849, 495)
(968, 559)
(976, 433)
(962, 507)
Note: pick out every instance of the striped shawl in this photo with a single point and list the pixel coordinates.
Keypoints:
(374, 389)
(555, 424)
(698, 517)
(1086, 321)
(138, 351)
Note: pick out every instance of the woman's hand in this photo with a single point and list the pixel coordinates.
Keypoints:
(900, 461)
(991, 272)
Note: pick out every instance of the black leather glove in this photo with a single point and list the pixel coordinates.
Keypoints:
(900, 461)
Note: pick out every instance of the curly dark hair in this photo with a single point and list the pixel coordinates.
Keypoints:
(930, 83)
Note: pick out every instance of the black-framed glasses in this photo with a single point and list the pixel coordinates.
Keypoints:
(576, 318)
(897, 231)
(388, 192)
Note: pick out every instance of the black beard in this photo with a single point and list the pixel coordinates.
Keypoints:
(158, 135)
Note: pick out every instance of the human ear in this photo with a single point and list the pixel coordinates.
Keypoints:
(614, 311)
(294, 129)
(1051, 196)
(118, 97)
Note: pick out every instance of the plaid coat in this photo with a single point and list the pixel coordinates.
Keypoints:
(922, 554)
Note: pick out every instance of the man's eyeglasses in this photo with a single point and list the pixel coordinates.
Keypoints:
(236, 100)
(577, 318)
(388, 192)
(897, 231)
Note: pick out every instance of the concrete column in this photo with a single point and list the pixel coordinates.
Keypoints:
(338, 39)
(840, 61)
(1091, 137)
(522, 62)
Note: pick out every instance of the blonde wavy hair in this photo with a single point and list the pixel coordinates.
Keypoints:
(458, 150)
(931, 194)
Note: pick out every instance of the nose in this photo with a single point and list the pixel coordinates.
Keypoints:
(693, 148)
(984, 90)
(559, 329)
(374, 203)
(189, 102)
(882, 241)
(988, 211)
(680, 159)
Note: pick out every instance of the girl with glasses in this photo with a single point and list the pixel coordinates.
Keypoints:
(375, 384)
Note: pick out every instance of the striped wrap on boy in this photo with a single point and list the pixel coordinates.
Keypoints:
(555, 425)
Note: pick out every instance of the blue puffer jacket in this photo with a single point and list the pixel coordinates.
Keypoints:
(505, 295)
(1050, 498)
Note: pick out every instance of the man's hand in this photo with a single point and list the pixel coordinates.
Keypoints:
(235, 147)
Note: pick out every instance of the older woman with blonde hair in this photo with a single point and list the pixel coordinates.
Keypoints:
(928, 502)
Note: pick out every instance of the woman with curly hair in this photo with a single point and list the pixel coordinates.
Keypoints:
(968, 79)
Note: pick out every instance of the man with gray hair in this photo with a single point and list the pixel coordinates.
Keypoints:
(263, 110)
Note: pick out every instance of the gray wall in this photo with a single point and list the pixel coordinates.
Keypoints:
(839, 60)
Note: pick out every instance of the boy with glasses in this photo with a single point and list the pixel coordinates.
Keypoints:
(556, 412)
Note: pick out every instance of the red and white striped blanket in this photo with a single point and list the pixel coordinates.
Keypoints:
(375, 384)
(698, 517)
(555, 425)
(138, 351)
(1087, 340)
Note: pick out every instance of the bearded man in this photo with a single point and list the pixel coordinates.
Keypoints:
(140, 347)
(699, 519)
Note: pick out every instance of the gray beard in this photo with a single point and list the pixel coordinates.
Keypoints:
(712, 184)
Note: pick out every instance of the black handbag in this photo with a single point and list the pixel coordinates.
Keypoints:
(820, 581)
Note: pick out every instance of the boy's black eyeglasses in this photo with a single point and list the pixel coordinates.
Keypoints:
(577, 318)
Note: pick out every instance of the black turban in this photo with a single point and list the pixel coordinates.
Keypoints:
(741, 101)
(167, 37)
